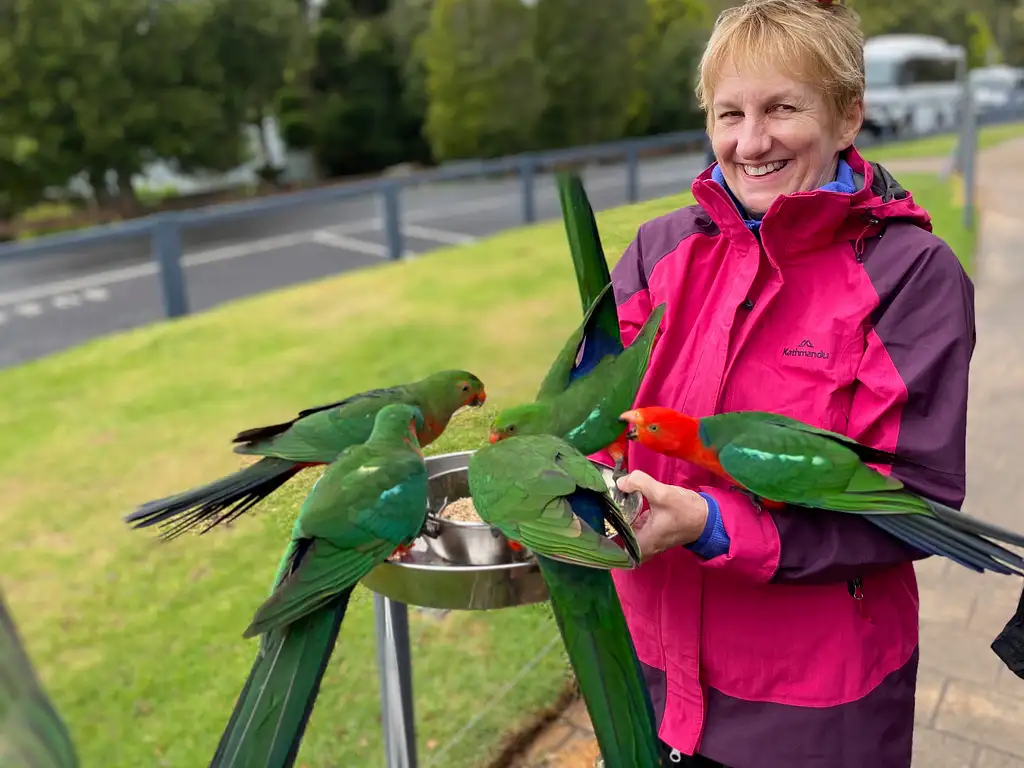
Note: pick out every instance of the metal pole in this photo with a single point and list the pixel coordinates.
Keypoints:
(526, 177)
(970, 141)
(632, 175)
(166, 243)
(395, 669)
(393, 220)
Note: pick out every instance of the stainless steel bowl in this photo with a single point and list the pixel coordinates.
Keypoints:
(465, 566)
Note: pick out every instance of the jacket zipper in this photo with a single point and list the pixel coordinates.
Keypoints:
(855, 587)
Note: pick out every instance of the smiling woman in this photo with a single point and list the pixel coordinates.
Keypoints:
(804, 281)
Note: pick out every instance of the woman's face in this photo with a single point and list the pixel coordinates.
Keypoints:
(774, 136)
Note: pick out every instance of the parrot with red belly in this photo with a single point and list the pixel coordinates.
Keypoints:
(313, 438)
(782, 460)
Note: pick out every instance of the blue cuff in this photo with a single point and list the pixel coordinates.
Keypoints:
(713, 541)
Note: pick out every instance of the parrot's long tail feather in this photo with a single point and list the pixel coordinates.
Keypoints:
(271, 713)
(964, 522)
(935, 537)
(601, 652)
(218, 502)
(592, 272)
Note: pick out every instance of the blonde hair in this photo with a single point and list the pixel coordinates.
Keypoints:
(814, 42)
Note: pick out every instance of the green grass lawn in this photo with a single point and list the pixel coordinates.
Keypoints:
(140, 642)
(942, 145)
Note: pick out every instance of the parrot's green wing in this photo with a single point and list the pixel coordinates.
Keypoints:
(361, 509)
(587, 413)
(527, 487)
(559, 374)
(320, 434)
(798, 467)
(32, 732)
(718, 430)
(534, 489)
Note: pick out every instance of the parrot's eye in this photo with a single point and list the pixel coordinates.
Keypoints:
(511, 428)
(653, 428)
(465, 387)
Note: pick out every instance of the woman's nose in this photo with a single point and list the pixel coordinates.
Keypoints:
(754, 140)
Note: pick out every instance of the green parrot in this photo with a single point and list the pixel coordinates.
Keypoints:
(370, 502)
(779, 460)
(542, 493)
(315, 437)
(584, 406)
(32, 733)
(593, 280)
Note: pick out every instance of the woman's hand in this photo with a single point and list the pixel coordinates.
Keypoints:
(676, 518)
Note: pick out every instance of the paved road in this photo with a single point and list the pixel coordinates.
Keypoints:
(49, 303)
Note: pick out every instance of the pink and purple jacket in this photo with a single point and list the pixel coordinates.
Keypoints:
(789, 639)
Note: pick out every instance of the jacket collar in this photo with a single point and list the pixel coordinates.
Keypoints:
(810, 220)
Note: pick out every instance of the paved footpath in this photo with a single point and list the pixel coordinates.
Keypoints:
(970, 709)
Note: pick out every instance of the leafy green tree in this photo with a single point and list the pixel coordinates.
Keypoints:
(680, 30)
(106, 86)
(483, 83)
(255, 40)
(595, 61)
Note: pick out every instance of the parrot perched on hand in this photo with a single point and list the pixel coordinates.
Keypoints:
(368, 504)
(544, 494)
(32, 732)
(315, 437)
(785, 461)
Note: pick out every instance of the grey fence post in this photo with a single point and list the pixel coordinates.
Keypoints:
(970, 155)
(632, 175)
(526, 173)
(393, 220)
(166, 243)
(395, 669)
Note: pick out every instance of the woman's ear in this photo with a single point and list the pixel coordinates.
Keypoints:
(851, 125)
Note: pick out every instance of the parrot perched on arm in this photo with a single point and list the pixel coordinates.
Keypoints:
(541, 492)
(315, 437)
(368, 504)
(785, 461)
(32, 733)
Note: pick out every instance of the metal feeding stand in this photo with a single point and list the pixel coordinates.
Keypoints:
(467, 566)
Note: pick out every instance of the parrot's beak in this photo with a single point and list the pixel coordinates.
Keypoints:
(494, 436)
(478, 400)
(631, 418)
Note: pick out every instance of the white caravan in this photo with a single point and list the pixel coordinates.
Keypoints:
(911, 83)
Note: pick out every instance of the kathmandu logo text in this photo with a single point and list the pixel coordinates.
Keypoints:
(804, 349)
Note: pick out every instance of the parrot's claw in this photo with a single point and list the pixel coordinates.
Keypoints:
(754, 498)
(617, 495)
(432, 528)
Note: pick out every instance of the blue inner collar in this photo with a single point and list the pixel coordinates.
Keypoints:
(843, 182)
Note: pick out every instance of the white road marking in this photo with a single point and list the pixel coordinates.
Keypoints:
(96, 294)
(344, 242)
(438, 235)
(66, 300)
(334, 237)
